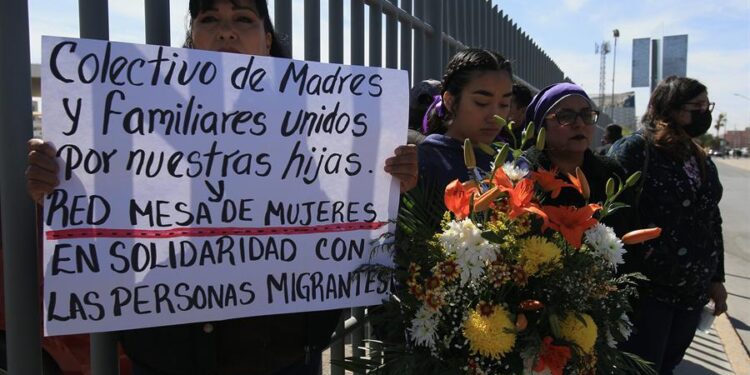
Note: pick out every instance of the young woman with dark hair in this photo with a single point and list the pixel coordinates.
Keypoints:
(476, 87)
(680, 193)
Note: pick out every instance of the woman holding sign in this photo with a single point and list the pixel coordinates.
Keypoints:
(279, 344)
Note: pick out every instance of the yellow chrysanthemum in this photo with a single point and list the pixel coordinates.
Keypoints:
(575, 331)
(491, 336)
(536, 251)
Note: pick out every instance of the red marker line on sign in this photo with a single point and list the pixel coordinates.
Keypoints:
(207, 232)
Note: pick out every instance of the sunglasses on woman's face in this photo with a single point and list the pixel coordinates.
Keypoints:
(567, 117)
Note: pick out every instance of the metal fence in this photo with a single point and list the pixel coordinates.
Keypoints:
(418, 36)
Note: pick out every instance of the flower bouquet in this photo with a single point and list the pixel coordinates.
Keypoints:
(502, 283)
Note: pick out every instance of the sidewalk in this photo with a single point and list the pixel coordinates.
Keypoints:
(742, 163)
(717, 352)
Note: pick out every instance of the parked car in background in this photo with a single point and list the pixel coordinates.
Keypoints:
(717, 153)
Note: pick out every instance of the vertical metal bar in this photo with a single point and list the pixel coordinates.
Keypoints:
(358, 32)
(93, 18)
(506, 35)
(435, 40)
(478, 23)
(391, 39)
(515, 43)
(463, 22)
(453, 14)
(312, 30)
(494, 28)
(23, 350)
(500, 34)
(336, 31)
(406, 45)
(524, 58)
(157, 22)
(104, 357)
(282, 22)
(473, 27)
(458, 10)
(358, 335)
(540, 67)
(534, 66)
(486, 13)
(338, 347)
(376, 34)
(94, 24)
(419, 40)
(525, 55)
(446, 30)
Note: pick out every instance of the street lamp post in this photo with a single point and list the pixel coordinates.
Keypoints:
(616, 34)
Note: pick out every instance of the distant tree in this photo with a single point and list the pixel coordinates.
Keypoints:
(720, 122)
(708, 141)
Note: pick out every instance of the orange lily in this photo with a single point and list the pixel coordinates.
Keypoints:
(641, 235)
(571, 221)
(457, 197)
(484, 201)
(549, 181)
(519, 199)
(554, 357)
(580, 183)
(501, 179)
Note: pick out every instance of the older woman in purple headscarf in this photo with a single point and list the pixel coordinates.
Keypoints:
(569, 116)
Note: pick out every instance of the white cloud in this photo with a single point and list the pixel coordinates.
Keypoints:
(575, 5)
(127, 8)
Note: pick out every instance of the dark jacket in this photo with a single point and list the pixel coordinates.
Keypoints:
(598, 169)
(258, 345)
(441, 160)
(689, 254)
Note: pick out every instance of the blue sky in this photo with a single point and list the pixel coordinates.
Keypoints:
(718, 38)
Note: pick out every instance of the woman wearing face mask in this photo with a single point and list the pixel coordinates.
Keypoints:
(680, 193)
(280, 344)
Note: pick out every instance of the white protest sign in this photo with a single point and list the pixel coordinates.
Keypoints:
(200, 186)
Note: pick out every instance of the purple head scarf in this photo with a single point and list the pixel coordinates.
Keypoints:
(548, 97)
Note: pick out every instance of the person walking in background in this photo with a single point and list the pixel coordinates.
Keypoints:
(279, 344)
(476, 87)
(612, 133)
(680, 194)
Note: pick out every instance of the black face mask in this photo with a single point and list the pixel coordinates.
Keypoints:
(699, 124)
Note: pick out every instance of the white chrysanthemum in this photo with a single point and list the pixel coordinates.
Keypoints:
(514, 172)
(464, 240)
(606, 244)
(611, 342)
(625, 326)
(424, 327)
